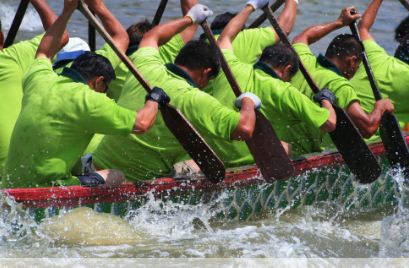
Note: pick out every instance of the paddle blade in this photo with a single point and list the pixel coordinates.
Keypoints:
(211, 166)
(353, 148)
(268, 152)
(395, 145)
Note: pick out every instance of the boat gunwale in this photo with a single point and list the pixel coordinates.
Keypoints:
(73, 196)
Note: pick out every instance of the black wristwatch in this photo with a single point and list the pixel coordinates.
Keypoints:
(158, 95)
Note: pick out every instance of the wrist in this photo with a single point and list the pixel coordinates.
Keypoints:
(250, 8)
(188, 19)
(339, 23)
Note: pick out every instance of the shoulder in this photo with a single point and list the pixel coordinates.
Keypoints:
(303, 49)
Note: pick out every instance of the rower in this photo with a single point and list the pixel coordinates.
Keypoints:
(61, 113)
(154, 154)
(333, 70)
(402, 37)
(391, 74)
(294, 117)
(14, 61)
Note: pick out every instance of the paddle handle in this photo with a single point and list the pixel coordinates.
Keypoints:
(260, 20)
(18, 18)
(91, 18)
(226, 69)
(159, 12)
(283, 38)
(91, 36)
(365, 61)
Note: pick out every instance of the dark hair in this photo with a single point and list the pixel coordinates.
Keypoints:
(402, 29)
(137, 30)
(91, 65)
(221, 20)
(402, 52)
(280, 55)
(344, 45)
(197, 54)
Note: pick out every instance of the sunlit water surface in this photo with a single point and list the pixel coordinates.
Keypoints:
(172, 230)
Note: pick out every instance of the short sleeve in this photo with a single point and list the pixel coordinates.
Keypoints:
(104, 116)
(344, 92)
(24, 52)
(250, 43)
(39, 69)
(300, 106)
(374, 51)
(107, 52)
(208, 115)
(307, 57)
(146, 56)
(169, 51)
(230, 56)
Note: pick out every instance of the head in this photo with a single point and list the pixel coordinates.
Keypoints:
(402, 30)
(1, 37)
(96, 69)
(282, 60)
(221, 20)
(200, 61)
(137, 30)
(345, 52)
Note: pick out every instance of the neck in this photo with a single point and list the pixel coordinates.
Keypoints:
(338, 64)
(185, 69)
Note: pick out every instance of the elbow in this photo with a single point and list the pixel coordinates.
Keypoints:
(243, 132)
(64, 40)
(330, 125)
(367, 133)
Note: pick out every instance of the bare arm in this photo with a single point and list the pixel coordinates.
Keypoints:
(315, 33)
(231, 30)
(111, 24)
(368, 20)
(162, 33)
(245, 128)
(287, 17)
(146, 117)
(189, 32)
(331, 123)
(53, 39)
(368, 124)
(46, 14)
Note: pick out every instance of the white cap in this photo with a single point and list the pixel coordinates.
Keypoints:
(73, 49)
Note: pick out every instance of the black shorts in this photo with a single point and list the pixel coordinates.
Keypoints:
(91, 180)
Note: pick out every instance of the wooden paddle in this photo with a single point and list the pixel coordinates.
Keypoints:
(265, 146)
(159, 12)
(18, 18)
(395, 145)
(405, 3)
(92, 36)
(212, 167)
(346, 137)
(260, 20)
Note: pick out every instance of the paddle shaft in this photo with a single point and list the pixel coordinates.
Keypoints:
(391, 134)
(159, 12)
(346, 137)
(18, 18)
(265, 146)
(91, 36)
(260, 20)
(184, 132)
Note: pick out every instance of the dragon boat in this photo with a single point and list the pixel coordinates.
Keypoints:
(243, 195)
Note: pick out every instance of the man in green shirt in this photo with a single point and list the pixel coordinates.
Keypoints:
(155, 153)
(333, 70)
(14, 61)
(295, 117)
(61, 113)
(402, 37)
(391, 74)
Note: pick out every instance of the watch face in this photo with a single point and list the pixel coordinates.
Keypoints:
(155, 96)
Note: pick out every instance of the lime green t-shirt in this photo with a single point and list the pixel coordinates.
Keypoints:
(248, 47)
(392, 76)
(14, 61)
(324, 76)
(168, 53)
(59, 116)
(295, 118)
(154, 153)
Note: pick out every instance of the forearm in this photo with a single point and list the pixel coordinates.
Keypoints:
(47, 15)
(146, 117)
(54, 39)
(164, 32)
(315, 33)
(367, 124)
(232, 29)
(112, 25)
(189, 32)
(245, 128)
(331, 122)
(368, 19)
(288, 16)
